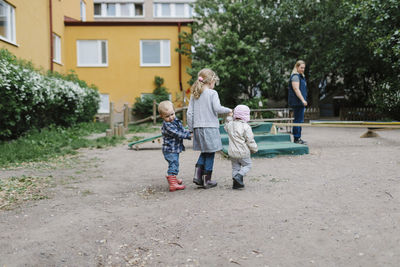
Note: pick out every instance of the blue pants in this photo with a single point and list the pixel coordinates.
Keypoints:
(173, 163)
(207, 160)
(298, 118)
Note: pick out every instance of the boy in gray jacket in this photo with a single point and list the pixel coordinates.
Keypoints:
(241, 144)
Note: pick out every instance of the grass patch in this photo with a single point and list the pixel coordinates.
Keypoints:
(15, 190)
(144, 128)
(135, 138)
(53, 142)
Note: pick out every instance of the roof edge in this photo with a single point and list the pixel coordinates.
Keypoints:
(127, 23)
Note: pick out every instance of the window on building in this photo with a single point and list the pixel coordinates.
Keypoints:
(56, 48)
(104, 105)
(165, 10)
(97, 9)
(92, 53)
(155, 53)
(179, 10)
(125, 9)
(111, 10)
(7, 22)
(138, 9)
(116, 9)
(83, 11)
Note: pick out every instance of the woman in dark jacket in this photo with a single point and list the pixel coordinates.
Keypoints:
(297, 98)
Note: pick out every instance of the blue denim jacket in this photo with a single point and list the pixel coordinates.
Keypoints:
(293, 100)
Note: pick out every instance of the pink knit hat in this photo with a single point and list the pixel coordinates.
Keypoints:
(242, 112)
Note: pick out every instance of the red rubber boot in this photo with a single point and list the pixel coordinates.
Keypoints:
(173, 183)
(178, 180)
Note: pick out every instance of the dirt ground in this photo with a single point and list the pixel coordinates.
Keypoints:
(337, 206)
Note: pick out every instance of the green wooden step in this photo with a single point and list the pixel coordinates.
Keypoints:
(272, 149)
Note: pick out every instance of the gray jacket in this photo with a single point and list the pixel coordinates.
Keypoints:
(203, 112)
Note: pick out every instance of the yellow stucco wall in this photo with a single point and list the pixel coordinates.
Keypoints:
(71, 9)
(32, 23)
(32, 32)
(124, 79)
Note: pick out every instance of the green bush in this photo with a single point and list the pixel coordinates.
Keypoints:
(254, 103)
(144, 106)
(32, 100)
(386, 98)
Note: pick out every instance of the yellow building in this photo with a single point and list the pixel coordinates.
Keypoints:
(121, 57)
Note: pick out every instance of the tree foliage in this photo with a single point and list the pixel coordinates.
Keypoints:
(144, 106)
(352, 45)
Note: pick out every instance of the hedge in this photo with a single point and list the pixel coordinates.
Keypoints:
(30, 99)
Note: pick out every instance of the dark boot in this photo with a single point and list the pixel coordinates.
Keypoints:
(207, 182)
(237, 181)
(198, 175)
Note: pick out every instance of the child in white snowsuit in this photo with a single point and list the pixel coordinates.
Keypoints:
(241, 144)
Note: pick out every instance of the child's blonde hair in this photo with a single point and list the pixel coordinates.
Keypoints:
(165, 106)
(205, 76)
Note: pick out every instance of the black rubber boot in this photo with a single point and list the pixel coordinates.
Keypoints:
(198, 175)
(238, 181)
(207, 182)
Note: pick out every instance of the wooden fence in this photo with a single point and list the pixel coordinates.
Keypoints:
(358, 114)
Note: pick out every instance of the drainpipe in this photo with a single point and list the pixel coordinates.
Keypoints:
(180, 57)
(51, 35)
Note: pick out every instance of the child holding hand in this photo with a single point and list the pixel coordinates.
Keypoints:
(173, 134)
(202, 117)
(241, 144)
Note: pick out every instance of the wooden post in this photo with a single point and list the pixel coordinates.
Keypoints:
(184, 119)
(154, 112)
(183, 108)
(109, 132)
(111, 115)
(126, 115)
(121, 130)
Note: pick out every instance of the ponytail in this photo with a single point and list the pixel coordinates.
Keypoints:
(197, 88)
(205, 76)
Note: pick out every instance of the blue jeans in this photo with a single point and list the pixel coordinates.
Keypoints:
(173, 163)
(298, 113)
(207, 160)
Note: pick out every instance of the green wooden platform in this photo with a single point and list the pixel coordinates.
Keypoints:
(269, 145)
(145, 140)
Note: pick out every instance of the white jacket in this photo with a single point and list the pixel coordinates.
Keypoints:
(241, 139)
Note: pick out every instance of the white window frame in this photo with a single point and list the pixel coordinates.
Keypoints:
(56, 48)
(104, 105)
(10, 20)
(83, 10)
(163, 43)
(132, 13)
(157, 10)
(99, 53)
